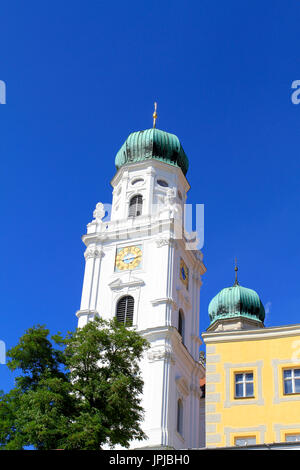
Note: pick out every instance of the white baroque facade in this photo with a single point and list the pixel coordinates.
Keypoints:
(171, 368)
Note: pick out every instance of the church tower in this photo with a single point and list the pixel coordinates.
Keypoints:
(141, 269)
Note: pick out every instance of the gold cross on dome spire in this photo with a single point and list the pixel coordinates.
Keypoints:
(154, 115)
(236, 283)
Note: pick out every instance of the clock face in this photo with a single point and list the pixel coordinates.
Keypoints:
(184, 273)
(129, 257)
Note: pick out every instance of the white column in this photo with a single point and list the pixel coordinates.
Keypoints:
(88, 278)
(194, 331)
(88, 304)
(124, 203)
(98, 254)
(150, 177)
(169, 281)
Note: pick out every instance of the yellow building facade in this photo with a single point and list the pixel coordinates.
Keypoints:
(272, 413)
(252, 375)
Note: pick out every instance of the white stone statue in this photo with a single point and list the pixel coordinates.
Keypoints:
(99, 212)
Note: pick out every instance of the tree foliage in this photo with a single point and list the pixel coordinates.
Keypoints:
(78, 392)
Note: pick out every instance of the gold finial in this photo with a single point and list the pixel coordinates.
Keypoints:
(154, 115)
(236, 283)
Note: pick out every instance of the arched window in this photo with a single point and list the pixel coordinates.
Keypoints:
(181, 324)
(135, 206)
(180, 417)
(125, 308)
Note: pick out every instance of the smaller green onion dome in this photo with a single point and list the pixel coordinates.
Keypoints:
(236, 301)
(152, 143)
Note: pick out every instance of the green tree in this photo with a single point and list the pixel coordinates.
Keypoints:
(78, 392)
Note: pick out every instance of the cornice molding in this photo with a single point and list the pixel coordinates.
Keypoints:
(115, 230)
(248, 335)
(182, 354)
(165, 300)
(234, 323)
(150, 163)
(127, 228)
(89, 313)
(119, 284)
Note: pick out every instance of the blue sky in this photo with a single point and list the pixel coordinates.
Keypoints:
(81, 76)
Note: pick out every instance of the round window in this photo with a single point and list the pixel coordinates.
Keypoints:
(137, 181)
(162, 183)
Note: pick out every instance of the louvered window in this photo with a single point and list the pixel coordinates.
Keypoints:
(125, 308)
(135, 206)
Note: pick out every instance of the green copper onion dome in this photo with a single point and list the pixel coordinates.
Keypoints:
(236, 301)
(152, 143)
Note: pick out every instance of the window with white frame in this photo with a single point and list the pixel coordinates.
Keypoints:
(135, 206)
(244, 385)
(244, 441)
(291, 381)
(292, 437)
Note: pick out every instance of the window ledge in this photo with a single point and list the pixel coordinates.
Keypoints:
(245, 398)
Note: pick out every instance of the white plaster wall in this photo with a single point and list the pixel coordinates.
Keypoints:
(158, 294)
